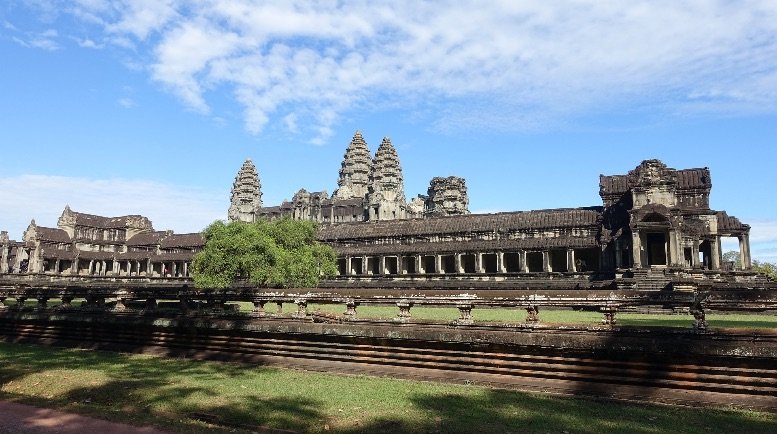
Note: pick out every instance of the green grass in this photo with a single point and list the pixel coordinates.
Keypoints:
(144, 389)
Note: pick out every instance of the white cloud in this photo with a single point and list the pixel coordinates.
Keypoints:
(521, 64)
(126, 102)
(168, 206)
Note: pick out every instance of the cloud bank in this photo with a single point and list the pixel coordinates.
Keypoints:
(464, 64)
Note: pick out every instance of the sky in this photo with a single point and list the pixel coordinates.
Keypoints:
(151, 106)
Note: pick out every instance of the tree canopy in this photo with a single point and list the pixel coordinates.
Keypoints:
(762, 267)
(278, 254)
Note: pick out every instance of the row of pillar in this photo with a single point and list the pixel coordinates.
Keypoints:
(402, 266)
(125, 268)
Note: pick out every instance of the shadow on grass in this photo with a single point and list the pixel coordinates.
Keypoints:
(148, 390)
(497, 411)
(178, 395)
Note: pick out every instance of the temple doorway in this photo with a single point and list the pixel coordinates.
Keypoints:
(656, 248)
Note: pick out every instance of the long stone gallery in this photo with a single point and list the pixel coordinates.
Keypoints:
(653, 245)
(652, 218)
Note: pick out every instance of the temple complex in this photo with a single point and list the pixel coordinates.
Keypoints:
(653, 219)
(368, 189)
(90, 245)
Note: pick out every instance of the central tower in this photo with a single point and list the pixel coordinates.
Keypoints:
(355, 170)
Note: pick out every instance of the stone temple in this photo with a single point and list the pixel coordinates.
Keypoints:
(653, 222)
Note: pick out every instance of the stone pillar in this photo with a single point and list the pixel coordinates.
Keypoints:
(382, 265)
(185, 269)
(174, 268)
(636, 249)
(102, 268)
(618, 256)
(479, 263)
(715, 253)
(546, 265)
(500, 262)
(571, 266)
(744, 251)
(695, 254)
(4, 249)
(348, 268)
(74, 266)
(56, 266)
(459, 266)
(91, 267)
(419, 265)
(364, 265)
(259, 307)
(673, 256)
(524, 263)
(438, 264)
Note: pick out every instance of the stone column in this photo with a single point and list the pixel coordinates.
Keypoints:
(715, 253)
(74, 266)
(4, 248)
(419, 265)
(695, 254)
(438, 264)
(673, 256)
(524, 263)
(364, 265)
(91, 267)
(458, 265)
(148, 267)
(500, 262)
(546, 265)
(348, 267)
(571, 266)
(102, 268)
(382, 265)
(636, 249)
(744, 251)
(618, 256)
(185, 269)
(56, 266)
(479, 263)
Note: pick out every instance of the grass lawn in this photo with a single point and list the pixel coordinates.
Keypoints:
(170, 392)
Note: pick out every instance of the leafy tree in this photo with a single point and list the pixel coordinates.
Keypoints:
(278, 254)
(762, 267)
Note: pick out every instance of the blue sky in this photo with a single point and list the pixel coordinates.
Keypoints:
(150, 107)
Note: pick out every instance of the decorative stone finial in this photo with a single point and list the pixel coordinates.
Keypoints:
(246, 194)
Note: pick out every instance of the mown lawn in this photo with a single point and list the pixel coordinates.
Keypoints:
(177, 394)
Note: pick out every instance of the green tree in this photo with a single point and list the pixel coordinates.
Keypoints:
(278, 254)
(762, 267)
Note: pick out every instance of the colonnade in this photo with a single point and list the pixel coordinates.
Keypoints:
(518, 261)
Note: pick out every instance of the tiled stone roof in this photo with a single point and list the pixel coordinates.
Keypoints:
(472, 223)
(183, 240)
(52, 234)
(147, 238)
(469, 246)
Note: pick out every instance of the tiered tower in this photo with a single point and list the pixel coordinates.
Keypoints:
(446, 196)
(355, 170)
(386, 193)
(246, 194)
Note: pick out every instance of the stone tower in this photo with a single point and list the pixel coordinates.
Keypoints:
(246, 194)
(355, 170)
(446, 196)
(386, 193)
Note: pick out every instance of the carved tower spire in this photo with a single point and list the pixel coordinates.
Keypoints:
(355, 170)
(246, 194)
(446, 196)
(386, 195)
